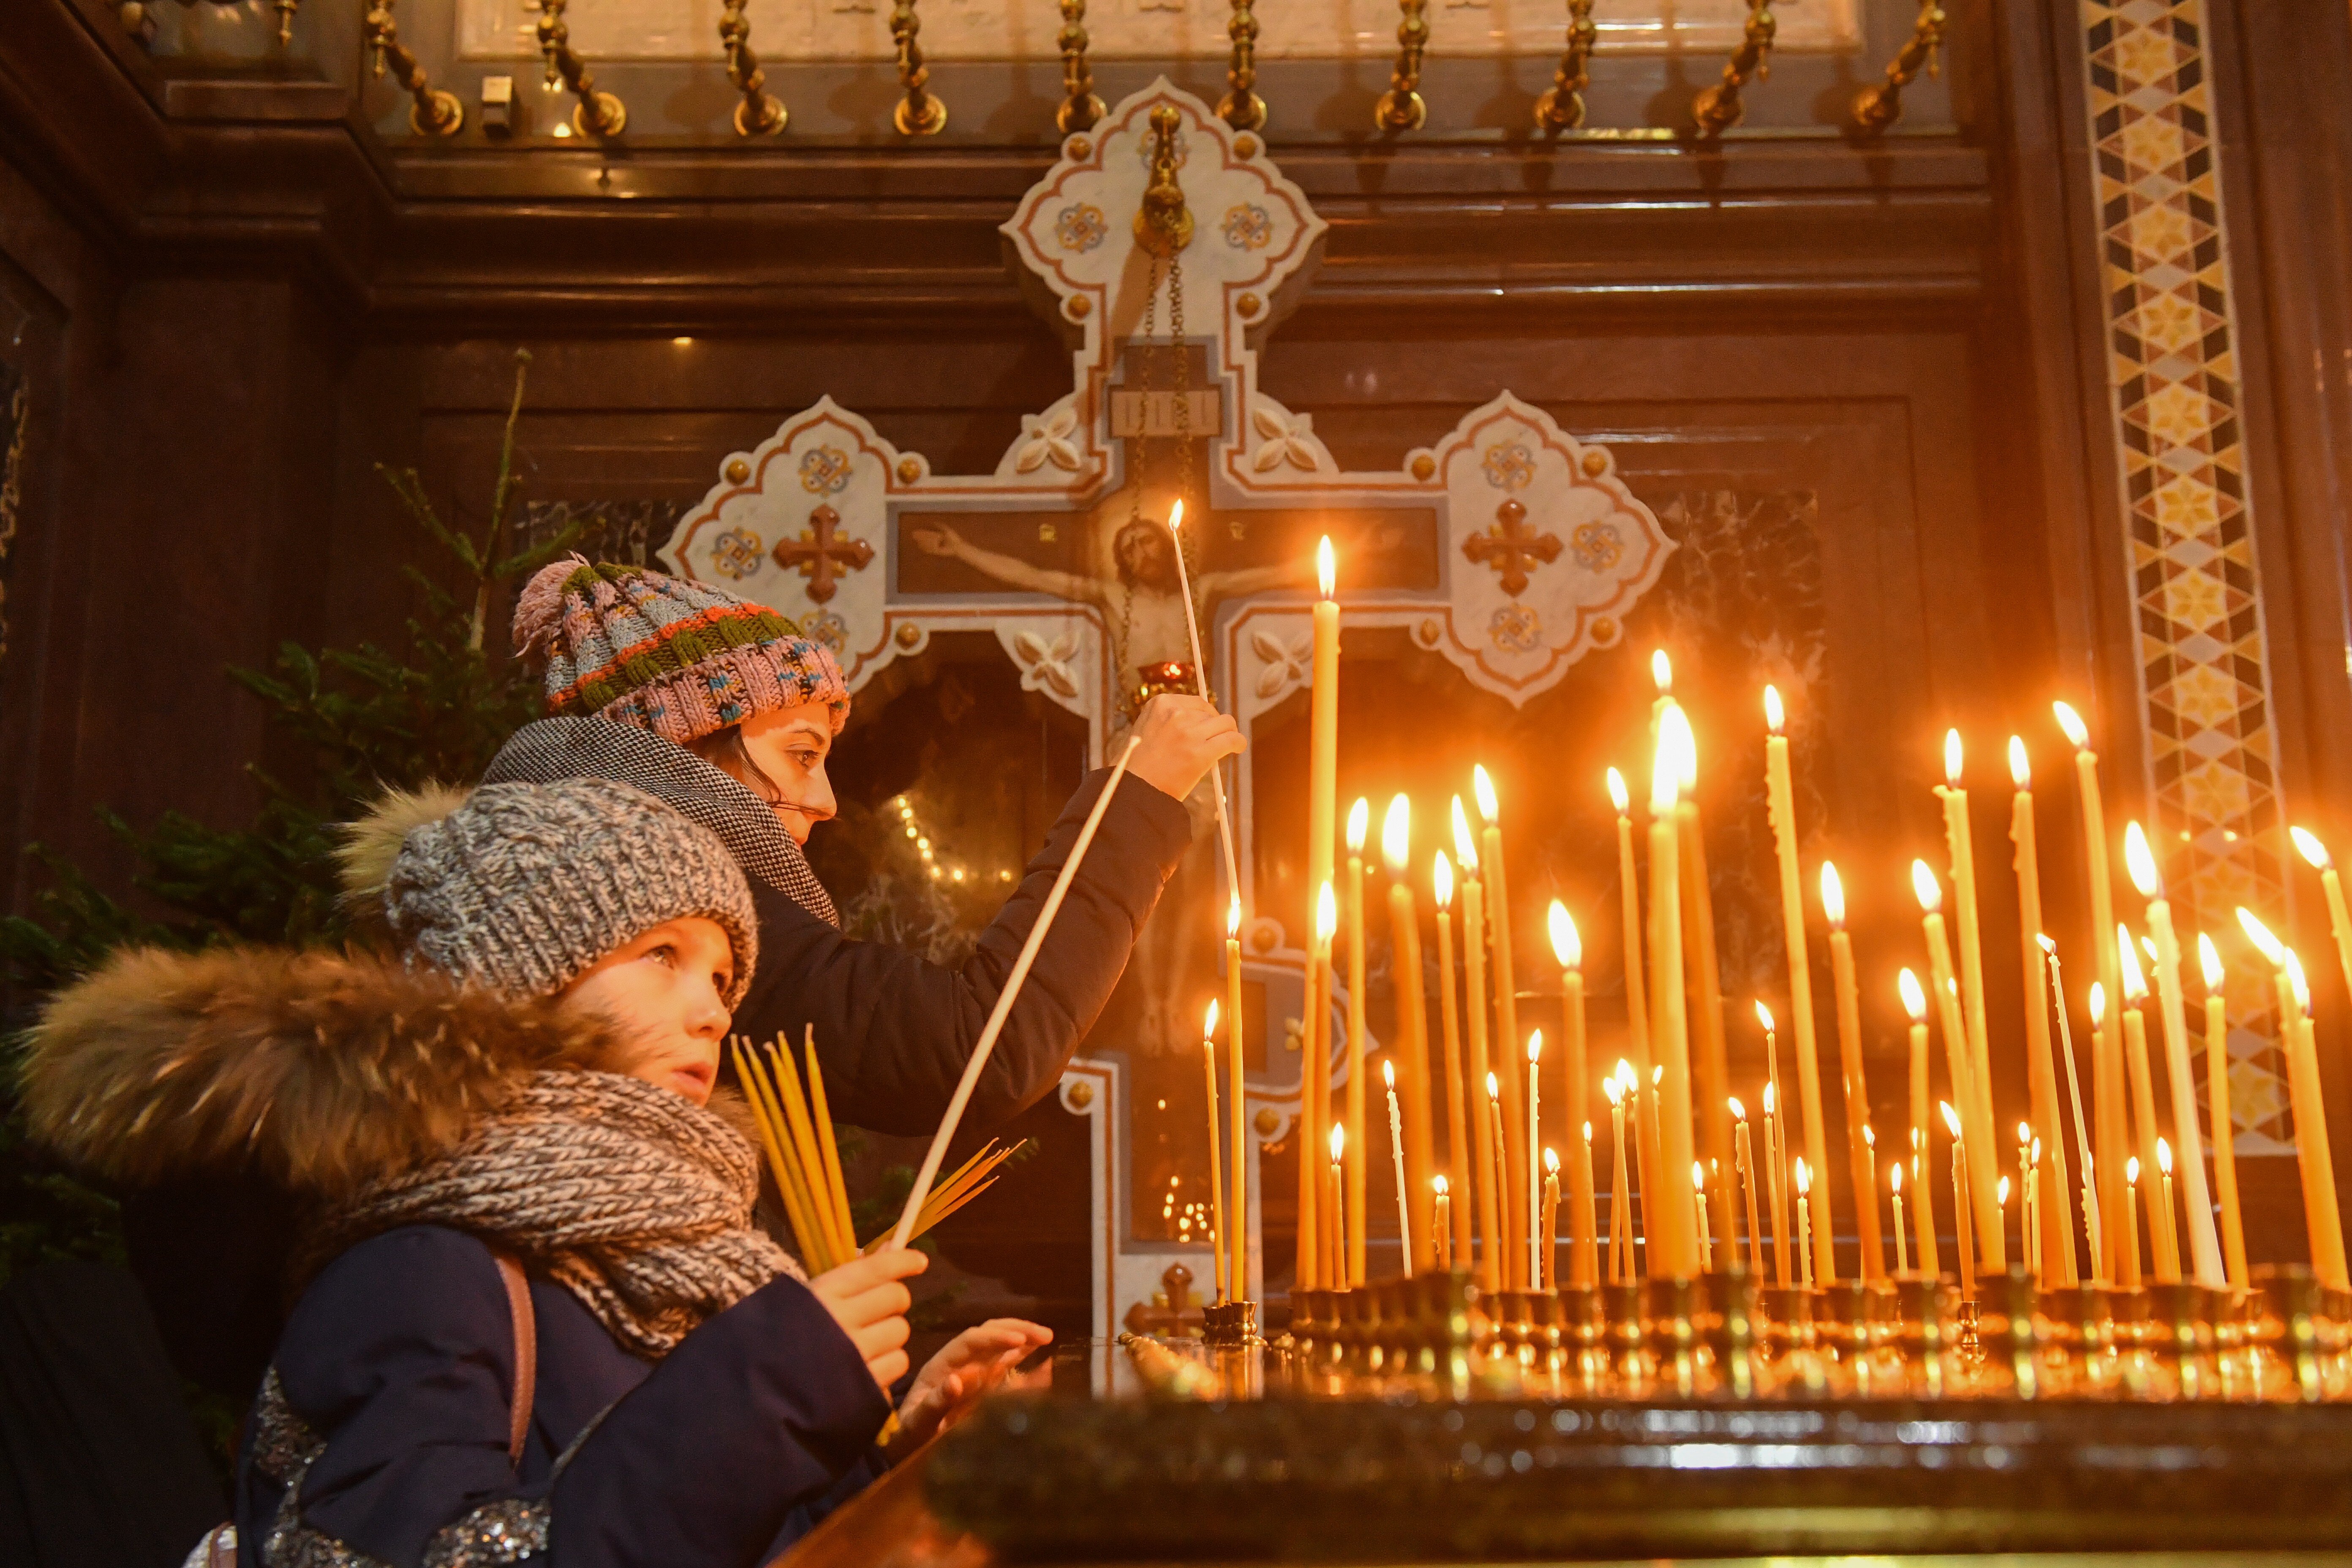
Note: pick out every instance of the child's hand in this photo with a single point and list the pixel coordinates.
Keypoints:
(975, 1361)
(866, 1298)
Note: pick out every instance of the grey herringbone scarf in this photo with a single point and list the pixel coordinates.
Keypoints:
(630, 1195)
(576, 747)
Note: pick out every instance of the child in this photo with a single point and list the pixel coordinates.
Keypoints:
(721, 708)
(535, 1321)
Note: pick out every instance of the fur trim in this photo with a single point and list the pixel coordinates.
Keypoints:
(364, 859)
(323, 1071)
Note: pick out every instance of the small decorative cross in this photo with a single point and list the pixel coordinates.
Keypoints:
(1511, 548)
(1172, 1313)
(815, 552)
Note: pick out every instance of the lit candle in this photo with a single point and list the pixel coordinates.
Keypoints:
(2313, 1161)
(1237, 1243)
(1620, 1251)
(1710, 1052)
(1487, 1197)
(1780, 809)
(1960, 1199)
(1645, 1174)
(2338, 921)
(1894, 1185)
(1587, 1221)
(1550, 1220)
(1217, 1231)
(1961, 1060)
(1629, 901)
(1454, 1236)
(2204, 1242)
(2031, 1255)
(1338, 1187)
(1535, 1141)
(1314, 1091)
(1413, 1021)
(1358, 1212)
(1961, 844)
(2106, 1245)
(1705, 1240)
(1775, 1177)
(1861, 1167)
(1676, 1254)
(1915, 1003)
(1498, 1176)
(2217, 1082)
(1322, 836)
(2161, 1240)
(1396, 1151)
(2164, 1170)
(2106, 1058)
(1444, 1204)
(1518, 1216)
(1569, 949)
(2091, 1232)
(1804, 1220)
(1744, 1163)
(2057, 1241)
(2000, 1203)
(2131, 1230)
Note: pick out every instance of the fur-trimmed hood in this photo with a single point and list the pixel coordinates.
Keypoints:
(317, 1071)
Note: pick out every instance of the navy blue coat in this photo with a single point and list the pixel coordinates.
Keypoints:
(400, 1359)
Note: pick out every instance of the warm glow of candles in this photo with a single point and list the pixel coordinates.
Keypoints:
(1674, 1252)
(2111, 1129)
(1548, 1229)
(1485, 1199)
(2217, 1084)
(1902, 1248)
(1776, 1149)
(2339, 920)
(1535, 1141)
(1967, 934)
(1568, 948)
(1962, 1199)
(1744, 1166)
(1326, 568)
(2056, 1256)
(1662, 672)
(1453, 1237)
(1518, 1152)
(1780, 810)
(2204, 1242)
(1976, 1110)
(1314, 1239)
(1396, 1152)
(1915, 1003)
(2131, 1231)
(1804, 1221)
(2313, 1159)
(1217, 1220)
(1620, 1232)
(1444, 1202)
(1338, 1192)
(1846, 987)
(2163, 1240)
(1359, 1211)
(1237, 1240)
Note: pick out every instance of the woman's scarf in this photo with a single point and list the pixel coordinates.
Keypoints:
(630, 1195)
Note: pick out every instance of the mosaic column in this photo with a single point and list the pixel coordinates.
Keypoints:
(2203, 662)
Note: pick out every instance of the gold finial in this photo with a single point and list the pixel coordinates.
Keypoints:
(1164, 225)
(1876, 109)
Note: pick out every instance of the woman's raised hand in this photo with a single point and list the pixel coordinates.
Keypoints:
(866, 1299)
(1178, 740)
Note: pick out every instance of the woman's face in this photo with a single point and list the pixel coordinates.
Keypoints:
(664, 991)
(790, 746)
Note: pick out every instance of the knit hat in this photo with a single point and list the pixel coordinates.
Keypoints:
(522, 888)
(677, 657)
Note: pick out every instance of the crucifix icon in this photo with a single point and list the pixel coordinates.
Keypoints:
(1511, 548)
(816, 550)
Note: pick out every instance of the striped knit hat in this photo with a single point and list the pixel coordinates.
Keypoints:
(679, 658)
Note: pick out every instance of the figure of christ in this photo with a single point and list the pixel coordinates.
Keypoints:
(1141, 601)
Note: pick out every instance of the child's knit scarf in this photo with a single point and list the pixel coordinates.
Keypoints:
(632, 1196)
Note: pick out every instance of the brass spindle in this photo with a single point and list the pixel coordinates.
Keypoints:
(919, 113)
(286, 10)
(597, 113)
(761, 114)
(1876, 109)
(1400, 107)
(435, 112)
(1718, 109)
(1080, 107)
(1561, 108)
(1242, 108)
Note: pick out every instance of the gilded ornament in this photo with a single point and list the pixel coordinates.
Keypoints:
(761, 114)
(920, 112)
(1268, 1122)
(1248, 305)
(1245, 146)
(1400, 107)
(597, 113)
(1242, 108)
(1081, 1094)
(1078, 148)
(1512, 548)
(910, 469)
(1596, 463)
(1081, 227)
(433, 112)
(1561, 108)
(1424, 466)
(1604, 631)
(825, 471)
(1247, 226)
(1876, 109)
(737, 470)
(1428, 631)
(821, 553)
(1076, 307)
(1080, 107)
(1163, 224)
(908, 634)
(1718, 109)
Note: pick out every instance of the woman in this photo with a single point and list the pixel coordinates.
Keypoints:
(535, 1323)
(723, 710)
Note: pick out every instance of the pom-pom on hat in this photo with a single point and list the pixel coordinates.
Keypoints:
(679, 658)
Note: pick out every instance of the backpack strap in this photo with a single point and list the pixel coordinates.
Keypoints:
(526, 1343)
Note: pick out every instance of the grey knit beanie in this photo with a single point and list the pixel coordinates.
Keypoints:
(522, 888)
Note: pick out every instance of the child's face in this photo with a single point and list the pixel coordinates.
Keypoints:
(663, 989)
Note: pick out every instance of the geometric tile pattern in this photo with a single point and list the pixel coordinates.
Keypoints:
(2172, 367)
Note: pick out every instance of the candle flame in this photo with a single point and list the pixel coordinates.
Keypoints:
(1327, 915)
(1951, 1118)
(1396, 834)
(1698, 1179)
(1566, 945)
(1494, 1087)
(2036, 1156)
(1339, 1141)
(1924, 883)
(2071, 722)
(1441, 877)
(1438, 1182)
(1686, 749)
(2098, 1003)
(1614, 1090)
(1209, 1023)
(1176, 517)
(1617, 796)
(1234, 918)
(1534, 1047)
(1657, 1075)
(2135, 980)
(1773, 717)
(1551, 1158)
(1625, 1074)
(2295, 981)
(2147, 946)
(2260, 936)
(2021, 769)
(2311, 849)
(2024, 1134)
(2001, 1191)
(1360, 816)
(1465, 847)
(1894, 1176)
(1832, 896)
(1915, 1000)
(1326, 570)
(2164, 1156)
(1764, 1016)
(1738, 1112)
(1952, 758)
(1588, 1138)
(2042, 940)
(2131, 1171)
(1388, 1074)
(1869, 1135)
(1768, 1098)
(1483, 786)
(1804, 1177)
(1661, 670)
(2208, 959)
(2140, 862)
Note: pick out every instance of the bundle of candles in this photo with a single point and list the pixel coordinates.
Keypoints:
(1686, 1170)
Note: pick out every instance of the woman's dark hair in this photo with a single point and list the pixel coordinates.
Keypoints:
(724, 749)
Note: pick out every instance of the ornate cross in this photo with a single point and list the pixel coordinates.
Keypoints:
(1511, 548)
(815, 552)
